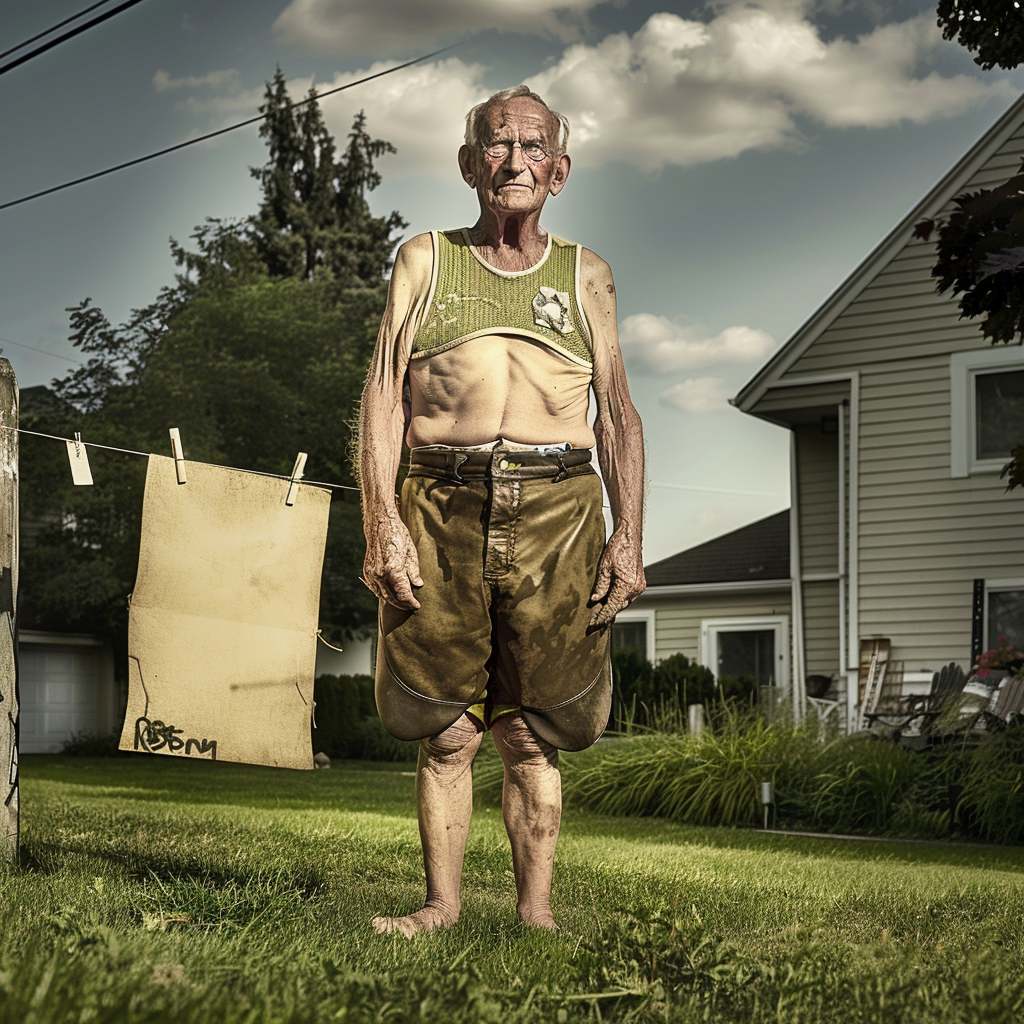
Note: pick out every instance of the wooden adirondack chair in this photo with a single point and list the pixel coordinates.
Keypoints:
(947, 684)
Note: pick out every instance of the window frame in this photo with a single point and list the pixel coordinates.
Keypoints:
(964, 367)
(998, 587)
(710, 628)
(641, 615)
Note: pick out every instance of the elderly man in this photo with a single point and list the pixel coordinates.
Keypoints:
(495, 582)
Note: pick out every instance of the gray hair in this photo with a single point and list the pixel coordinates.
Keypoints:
(475, 117)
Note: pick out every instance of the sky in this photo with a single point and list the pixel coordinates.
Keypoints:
(732, 161)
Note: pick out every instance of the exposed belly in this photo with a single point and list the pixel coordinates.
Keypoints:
(498, 386)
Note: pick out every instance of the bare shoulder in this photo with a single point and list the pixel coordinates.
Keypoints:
(597, 286)
(414, 260)
(592, 264)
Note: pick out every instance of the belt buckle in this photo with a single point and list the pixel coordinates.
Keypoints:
(453, 462)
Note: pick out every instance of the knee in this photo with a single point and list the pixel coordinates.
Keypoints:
(454, 745)
(518, 743)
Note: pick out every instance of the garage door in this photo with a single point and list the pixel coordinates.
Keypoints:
(58, 689)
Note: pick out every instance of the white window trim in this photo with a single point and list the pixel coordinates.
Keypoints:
(634, 615)
(963, 367)
(996, 587)
(710, 628)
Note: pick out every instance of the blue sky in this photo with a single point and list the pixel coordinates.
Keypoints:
(733, 162)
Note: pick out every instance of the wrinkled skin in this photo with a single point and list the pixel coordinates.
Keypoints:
(511, 193)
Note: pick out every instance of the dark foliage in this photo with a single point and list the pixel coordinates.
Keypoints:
(347, 725)
(257, 350)
(981, 257)
(993, 29)
(642, 690)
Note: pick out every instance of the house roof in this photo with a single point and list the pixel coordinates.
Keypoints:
(951, 185)
(752, 553)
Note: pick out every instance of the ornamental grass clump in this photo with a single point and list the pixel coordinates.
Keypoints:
(992, 798)
(710, 779)
(860, 782)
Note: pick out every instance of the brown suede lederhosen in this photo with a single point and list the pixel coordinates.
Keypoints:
(508, 543)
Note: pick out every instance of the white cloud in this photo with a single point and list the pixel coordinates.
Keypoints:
(697, 395)
(653, 344)
(389, 26)
(419, 109)
(162, 81)
(684, 92)
(677, 91)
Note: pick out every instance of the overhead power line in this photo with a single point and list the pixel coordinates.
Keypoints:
(220, 131)
(67, 35)
(53, 28)
(41, 351)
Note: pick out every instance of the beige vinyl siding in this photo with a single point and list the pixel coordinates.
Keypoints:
(804, 396)
(821, 627)
(818, 501)
(923, 535)
(677, 619)
(818, 519)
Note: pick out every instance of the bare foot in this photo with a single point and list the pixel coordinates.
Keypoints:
(541, 919)
(425, 920)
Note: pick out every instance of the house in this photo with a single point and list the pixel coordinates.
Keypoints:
(901, 416)
(725, 603)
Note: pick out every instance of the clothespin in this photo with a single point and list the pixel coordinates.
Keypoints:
(293, 480)
(179, 455)
(81, 474)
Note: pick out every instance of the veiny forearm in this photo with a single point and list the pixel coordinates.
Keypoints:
(381, 426)
(620, 451)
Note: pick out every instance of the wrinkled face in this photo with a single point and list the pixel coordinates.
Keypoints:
(516, 169)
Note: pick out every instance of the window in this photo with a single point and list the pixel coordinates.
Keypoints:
(755, 647)
(998, 413)
(634, 630)
(1004, 612)
(987, 408)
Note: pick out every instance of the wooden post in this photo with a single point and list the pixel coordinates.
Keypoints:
(9, 834)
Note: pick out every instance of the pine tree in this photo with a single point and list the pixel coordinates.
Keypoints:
(315, 222)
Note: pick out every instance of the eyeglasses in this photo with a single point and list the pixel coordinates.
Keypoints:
(533, 151)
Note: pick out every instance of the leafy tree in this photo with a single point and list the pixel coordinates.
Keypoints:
(994, 29)
(981, 244)
(256, 351)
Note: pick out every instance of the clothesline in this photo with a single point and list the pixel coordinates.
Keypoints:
(132, 451)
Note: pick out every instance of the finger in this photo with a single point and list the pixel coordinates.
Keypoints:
(604, 578)
(617, 600)
(400, 590)
(412, 570)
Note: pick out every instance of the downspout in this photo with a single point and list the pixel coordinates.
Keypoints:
(798, 694)
(842, 543)
(853, 564)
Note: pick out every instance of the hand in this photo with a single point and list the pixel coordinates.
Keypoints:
(620, 577)
(391, 567)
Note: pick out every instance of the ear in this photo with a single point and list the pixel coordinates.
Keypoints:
(467, 166)
(561, 174)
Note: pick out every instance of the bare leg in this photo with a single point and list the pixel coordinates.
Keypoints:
(532, 806)
(444, 803)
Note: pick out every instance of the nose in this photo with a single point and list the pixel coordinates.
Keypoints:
(516, 160)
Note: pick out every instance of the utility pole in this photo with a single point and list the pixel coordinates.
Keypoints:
(9, 832)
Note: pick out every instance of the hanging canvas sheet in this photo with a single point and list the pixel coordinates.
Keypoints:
(223, 618)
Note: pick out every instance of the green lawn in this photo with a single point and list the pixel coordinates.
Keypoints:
(155, 889)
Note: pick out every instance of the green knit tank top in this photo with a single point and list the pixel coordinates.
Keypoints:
(469, 298)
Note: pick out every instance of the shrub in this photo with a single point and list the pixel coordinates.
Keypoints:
(656, 696)
(860, 781)
(992, 799)
(88, 744)
(711, 779)
(347, 724)
(684, 680)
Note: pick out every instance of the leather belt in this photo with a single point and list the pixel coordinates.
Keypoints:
(460, 466)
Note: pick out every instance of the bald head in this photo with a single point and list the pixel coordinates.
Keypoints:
(477, 120)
